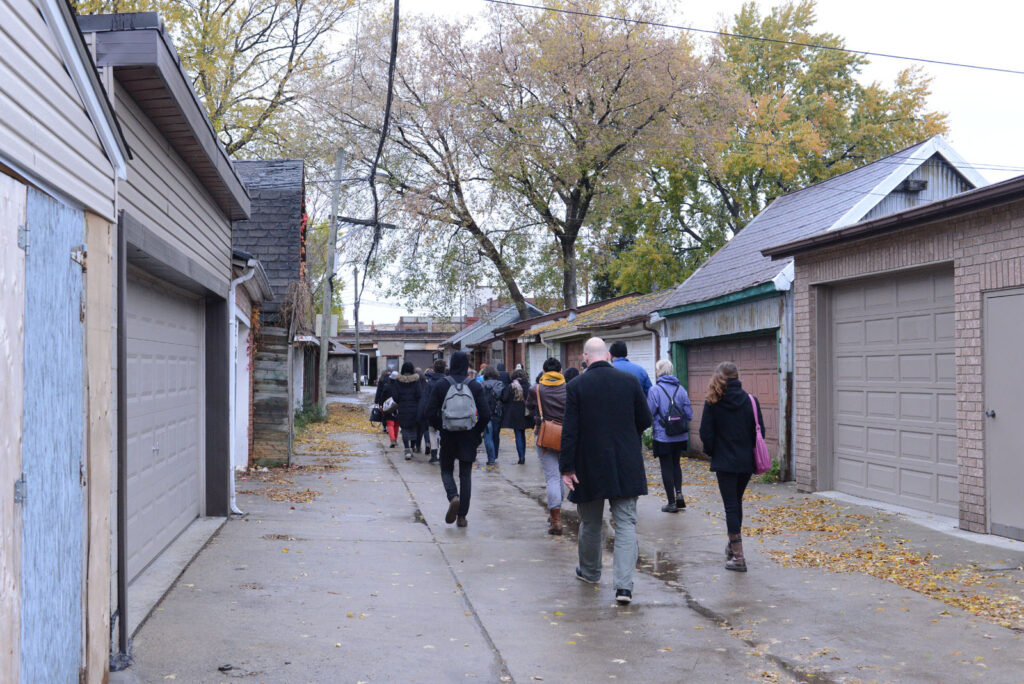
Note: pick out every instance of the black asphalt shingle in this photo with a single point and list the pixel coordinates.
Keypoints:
(273, 234)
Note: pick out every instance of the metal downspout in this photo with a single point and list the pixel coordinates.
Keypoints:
(121, 658)
(657, 340)
(232, 378)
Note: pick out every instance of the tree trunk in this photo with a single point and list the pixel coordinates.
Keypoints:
(504, 272)
(568, 244)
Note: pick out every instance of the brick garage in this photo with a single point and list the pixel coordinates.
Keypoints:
(978, 237)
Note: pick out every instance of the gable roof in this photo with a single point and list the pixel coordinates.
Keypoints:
(979, 199)
(829, 205)
(483, 329)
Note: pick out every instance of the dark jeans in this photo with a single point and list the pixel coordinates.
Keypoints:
(423, 433)
(495, 434)
(732, 486)
(668, 454)
(465, 487)
(409, 437)
(520, 443)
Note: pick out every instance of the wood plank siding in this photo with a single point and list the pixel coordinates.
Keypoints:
(45, 133)
(164, 194)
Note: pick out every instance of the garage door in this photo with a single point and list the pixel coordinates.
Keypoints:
(894, 392)
(537, 354)
(165, 333)
(640, 351)
(757, 360)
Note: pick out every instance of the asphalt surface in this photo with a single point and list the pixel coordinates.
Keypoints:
(366, 583)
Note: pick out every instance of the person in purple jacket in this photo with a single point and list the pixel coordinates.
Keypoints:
(672, 413)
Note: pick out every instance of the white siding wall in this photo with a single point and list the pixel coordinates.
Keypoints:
(44, 129)
(164, 194)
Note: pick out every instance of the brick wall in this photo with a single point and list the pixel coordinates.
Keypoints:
(987, 252)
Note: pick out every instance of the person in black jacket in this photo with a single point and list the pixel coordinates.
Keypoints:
(457, 446)
(514, 411)
(602, 458)
(378, 397)
(728, 431)
(433, 437)
(407, 393)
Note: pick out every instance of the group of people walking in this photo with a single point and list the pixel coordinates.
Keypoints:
(589, 428)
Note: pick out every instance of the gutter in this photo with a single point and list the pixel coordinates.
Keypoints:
(252, 265)
(756, 292)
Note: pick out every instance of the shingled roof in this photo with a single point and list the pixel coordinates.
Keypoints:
(617, 312)
(832, 204)
(273, 234)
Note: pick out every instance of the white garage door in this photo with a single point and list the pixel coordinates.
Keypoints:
(536, 355)
(894, 390)
(165, 430)
(640, 351)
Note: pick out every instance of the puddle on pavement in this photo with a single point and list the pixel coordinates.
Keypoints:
(282, 537)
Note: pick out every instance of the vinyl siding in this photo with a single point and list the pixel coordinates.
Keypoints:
(943, 181)
(45, 131)
(164, 194)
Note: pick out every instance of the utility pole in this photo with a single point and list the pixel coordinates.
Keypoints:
(325, 330)
(355, 315)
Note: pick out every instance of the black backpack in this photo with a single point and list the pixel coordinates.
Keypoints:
(674, 421)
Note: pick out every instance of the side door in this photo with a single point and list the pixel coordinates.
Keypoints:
(1004, 411)
(53, 444)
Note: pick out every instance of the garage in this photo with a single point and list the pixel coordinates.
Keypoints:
(893, 390)
(757, 360)
(640, 350)
(165, 427)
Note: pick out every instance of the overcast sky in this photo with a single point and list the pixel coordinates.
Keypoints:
(985, 109)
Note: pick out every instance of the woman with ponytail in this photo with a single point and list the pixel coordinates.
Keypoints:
(727, 430)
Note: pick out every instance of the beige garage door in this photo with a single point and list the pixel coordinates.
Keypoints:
(894, 391)
(758, 361)
(165, 333)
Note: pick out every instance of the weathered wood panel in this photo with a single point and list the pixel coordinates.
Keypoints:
(52, 447)
(12, 383)
(44, 130)
(98, 324)
(164, 193)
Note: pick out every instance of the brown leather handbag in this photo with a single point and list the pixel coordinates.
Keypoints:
(549, 434)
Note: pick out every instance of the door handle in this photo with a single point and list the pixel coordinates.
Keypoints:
(990, 413)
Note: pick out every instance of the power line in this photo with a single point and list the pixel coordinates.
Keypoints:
(779, 41)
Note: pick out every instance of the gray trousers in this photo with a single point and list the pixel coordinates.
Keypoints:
(552, 478)
(591, 542)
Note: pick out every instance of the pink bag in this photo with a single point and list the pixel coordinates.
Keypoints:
(762, 459)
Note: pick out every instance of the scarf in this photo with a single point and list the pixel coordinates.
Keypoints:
(552, 379)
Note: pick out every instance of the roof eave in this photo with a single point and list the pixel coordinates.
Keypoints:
(965, 203)
(760, 291)
(139, 40)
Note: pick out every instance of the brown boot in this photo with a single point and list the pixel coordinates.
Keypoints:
(555, 521)
(737, 563)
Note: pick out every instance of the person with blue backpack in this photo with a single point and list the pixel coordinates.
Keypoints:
(458, 409)
(672, 413)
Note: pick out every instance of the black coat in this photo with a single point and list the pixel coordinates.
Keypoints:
(379, 396)
(459, 445)
(727, 430)
(513, 414)
(407, 393)
(605, 415)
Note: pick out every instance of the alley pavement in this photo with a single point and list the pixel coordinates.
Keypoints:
(346, 572)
